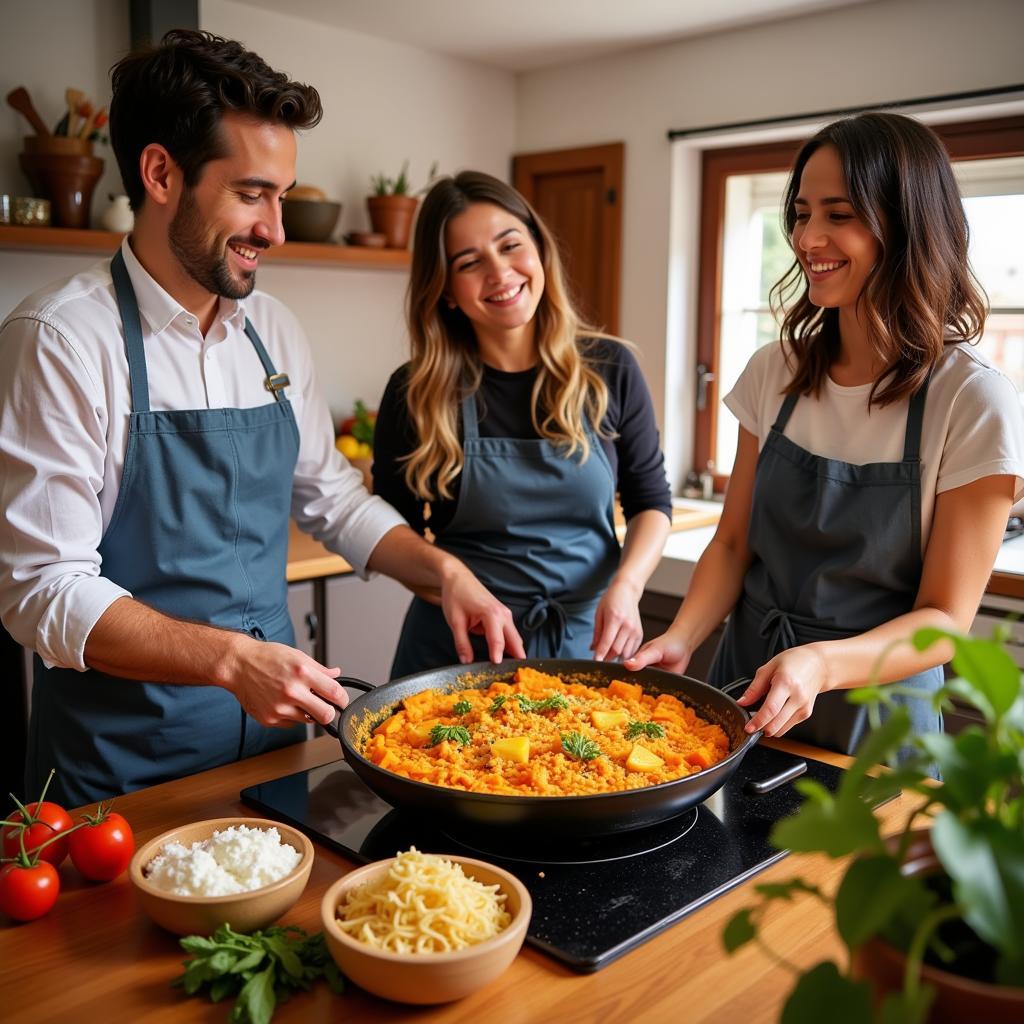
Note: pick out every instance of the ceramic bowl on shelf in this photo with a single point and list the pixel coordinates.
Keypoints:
(427, 978)
(367, 239)
(201, 915)
(309, 220)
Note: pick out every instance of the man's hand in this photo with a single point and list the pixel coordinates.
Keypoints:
(278, 685)
(469, 607)
(669, 651)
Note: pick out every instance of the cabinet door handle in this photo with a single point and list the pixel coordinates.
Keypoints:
(313, 625)
(704, 377)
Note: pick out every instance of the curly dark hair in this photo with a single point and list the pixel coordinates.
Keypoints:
(922, 294)
(175, 94)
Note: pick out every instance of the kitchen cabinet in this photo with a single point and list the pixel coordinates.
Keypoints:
(302, 609)
(364, 618)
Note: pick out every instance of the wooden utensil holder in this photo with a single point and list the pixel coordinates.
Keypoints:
(64, 171)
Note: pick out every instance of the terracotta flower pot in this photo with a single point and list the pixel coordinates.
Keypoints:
(65, 172)
(957, 999)
(392, 216)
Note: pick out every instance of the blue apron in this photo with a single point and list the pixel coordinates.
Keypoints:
(197, 532)
(837, 551)
(537, 529)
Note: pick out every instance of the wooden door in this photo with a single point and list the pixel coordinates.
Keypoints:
(578, 193)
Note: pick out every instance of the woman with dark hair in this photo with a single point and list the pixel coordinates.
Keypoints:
(512, 428)
(878, 454)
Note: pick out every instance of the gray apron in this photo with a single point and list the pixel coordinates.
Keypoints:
(197, 532)
(837, 551)
(537, 530)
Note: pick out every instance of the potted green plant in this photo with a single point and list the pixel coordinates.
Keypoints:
(933, 919)
(392, 206)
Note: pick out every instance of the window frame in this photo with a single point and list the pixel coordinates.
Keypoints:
(965, 140)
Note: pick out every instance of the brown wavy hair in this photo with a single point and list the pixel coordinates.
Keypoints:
(921, 294)
(175, 94)
(445, 364)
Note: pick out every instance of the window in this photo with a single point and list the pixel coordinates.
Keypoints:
(743, 252)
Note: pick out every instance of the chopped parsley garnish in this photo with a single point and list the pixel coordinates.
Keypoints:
(496, 704)
(462, 708)
(575, 744)
(650, 729)
(457, 733)
(556, 702)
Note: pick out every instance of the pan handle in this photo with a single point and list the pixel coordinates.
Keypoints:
(356, 684)
(745, 681)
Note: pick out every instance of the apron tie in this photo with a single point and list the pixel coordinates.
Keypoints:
(778, 631)
(546, 612)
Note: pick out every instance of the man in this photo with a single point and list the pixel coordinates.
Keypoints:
(158, 424)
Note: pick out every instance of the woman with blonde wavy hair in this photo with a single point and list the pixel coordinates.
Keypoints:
(509, 432)
(879, 453)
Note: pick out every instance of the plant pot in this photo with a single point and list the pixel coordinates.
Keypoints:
(65, 172)
(957, 999)
(392, 217)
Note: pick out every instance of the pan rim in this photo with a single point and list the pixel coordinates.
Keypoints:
(509, 800)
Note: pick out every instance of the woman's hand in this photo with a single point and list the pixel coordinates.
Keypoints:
(617, 628)
(469, 607)
(789, 683)
(670, 651)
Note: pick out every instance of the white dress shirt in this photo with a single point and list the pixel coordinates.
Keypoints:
(64, 405)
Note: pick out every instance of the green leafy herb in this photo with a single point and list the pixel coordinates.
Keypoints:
(575, 744)
(497, 704)
(457, 733)
(556, 702)
(462, 708)
(260, 970)
(649, 729)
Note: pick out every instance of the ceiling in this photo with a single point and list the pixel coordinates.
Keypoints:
(524, 35)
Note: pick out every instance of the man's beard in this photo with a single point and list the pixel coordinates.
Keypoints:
(200, 259)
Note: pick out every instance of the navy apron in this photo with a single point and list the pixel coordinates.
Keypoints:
(837, 551)
(537, 529)
(197, 532)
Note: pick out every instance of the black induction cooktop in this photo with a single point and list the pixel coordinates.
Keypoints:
(593, 900)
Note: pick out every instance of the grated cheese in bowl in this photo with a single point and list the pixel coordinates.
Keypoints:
(233, 860)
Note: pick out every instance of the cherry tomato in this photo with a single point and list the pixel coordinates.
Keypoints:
(103, 848)
(46, 820)
(28, 893)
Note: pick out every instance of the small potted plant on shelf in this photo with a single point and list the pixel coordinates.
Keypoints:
(393, 206)
(933, 917)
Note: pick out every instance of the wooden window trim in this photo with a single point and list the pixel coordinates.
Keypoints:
(965, 140)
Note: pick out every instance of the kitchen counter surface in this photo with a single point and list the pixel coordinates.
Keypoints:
(693, 526)
(97, 957)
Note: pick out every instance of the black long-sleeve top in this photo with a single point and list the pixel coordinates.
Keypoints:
(503, 405)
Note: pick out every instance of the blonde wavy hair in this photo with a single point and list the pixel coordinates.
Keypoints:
(445, 365)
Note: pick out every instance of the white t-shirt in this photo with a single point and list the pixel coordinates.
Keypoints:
(64, 405)
(973, 426)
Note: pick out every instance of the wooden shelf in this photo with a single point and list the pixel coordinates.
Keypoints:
(70, 240)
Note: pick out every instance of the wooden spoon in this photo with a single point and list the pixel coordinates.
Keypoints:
(74, 98)
(22, 102)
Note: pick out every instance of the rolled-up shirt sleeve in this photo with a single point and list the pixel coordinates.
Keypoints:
(53, 438)
(329, 500)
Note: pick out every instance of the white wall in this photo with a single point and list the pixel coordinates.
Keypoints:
(383, 103)
(870, 53)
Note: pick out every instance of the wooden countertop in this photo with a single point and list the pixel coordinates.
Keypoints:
(97, 957)
(309, 559)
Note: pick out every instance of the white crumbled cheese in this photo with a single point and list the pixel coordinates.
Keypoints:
(236, 859)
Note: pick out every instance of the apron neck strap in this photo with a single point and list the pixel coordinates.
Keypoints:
(274, 382)
(785, 411)
(128, 307)
(915, 417)
(470, 425)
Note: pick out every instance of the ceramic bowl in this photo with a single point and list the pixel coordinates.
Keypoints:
(309, 220)
(367, 239)
(244, 911)
(427, 977)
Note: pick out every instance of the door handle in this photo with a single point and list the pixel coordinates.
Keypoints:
(704, 377)
(312, 625)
